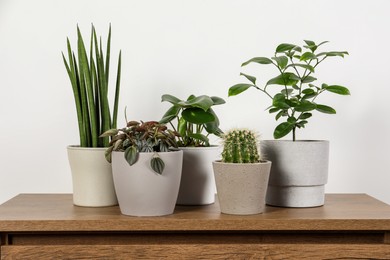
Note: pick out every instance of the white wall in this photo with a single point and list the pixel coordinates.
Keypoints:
(183, 47)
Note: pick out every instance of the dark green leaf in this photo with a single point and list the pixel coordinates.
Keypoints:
(305, 106)
(293, 102)
(199, 137)
(197, 116)
(307, 96)
(288, 92)
(308, 42)
(281, 61)
(286, 47)
(213, 127)
(170, 114)
(322, 43)
(170, 98)
(305, 66)
(261, 60)
(338, 90)
(182, 126)
(325, 109)
(308, 79)
(249, 77)
(305, 116)
(308, 91)
(333, 53)
(280, 114)
(238, 88)
(203, 102)
(273, 110)
(301, 124)
(307, 56)
(131, 155)
(157, 164)
(218, 100)
(282, 130)
(279, 101)
(291, 120)
(285, 79)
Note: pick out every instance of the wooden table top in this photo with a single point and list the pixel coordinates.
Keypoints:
(56, 212)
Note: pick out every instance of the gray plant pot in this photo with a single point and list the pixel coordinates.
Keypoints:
(241, 187)
(299, 172)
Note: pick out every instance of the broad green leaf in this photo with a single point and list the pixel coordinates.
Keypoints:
(273, 110)
(282, 130)
(307, 56)
(288, 92)
(182, 126)
(307, 96)
(308, 79)
(131, 155)
(305, 116)
(260, 60)
(191, 97)
(325, 109)
(218, 100)
(157, 164)
(199, 137)
(308, 91)
(286, 47)
(338, 90)
(238, 88)
(203, 102)
(301, 124)
(249, 77)
(333, 53)
(281, 61)
(170, 114)
(280, 114)
(308, 42)
(285, 79)
(279, 101)
(305, 66)
(170, 98)
(322, 43)
(213, 127)
(197, 116)
(293, 102)
(291, 120)
(305, 106)
(311, 45)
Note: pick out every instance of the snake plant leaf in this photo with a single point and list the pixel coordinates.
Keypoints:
(283, 129)
(203, 102)
(260, 60)
(157, 164)
(131, 155)
(171, 99)
(197, 116)
(325, 109)
(117, 91)
(238, 88)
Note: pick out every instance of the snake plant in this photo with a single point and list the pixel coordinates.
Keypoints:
(89, 79)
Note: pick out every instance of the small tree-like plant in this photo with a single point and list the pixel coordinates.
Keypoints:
(195, 119)
(240, 146)
(89, 78)
(142, 137)
(296, 99)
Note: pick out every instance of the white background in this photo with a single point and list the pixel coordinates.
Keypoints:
(192, 47)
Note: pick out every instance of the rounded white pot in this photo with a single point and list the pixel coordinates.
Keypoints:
(93, 185)
(299, 172)
(143, 192)
(197, 186)
(241, 187)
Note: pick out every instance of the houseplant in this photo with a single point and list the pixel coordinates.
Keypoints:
(91, 174)
(146, 168)
(242, 175)
(195, 121)
(300, 168)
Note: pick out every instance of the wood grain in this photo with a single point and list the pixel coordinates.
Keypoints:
(199, 251)
(55, 212)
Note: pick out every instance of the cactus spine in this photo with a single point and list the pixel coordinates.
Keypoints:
(240, 146)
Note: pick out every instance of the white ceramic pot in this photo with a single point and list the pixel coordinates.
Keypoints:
(197, 186)
(143, 192)
(93, 184)
(241, 187)
(299, 172)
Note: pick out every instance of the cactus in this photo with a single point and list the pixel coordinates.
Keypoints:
(240, 146)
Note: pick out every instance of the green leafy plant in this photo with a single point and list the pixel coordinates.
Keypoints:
(142, 137)
(240, 146)
(89, 78)
(195, 119)
(297, 98)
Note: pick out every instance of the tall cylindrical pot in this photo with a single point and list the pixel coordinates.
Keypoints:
(143, 192)
(197, 186)
(299, 172)
(93, 185)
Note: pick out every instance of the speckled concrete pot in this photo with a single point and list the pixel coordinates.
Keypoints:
(241, 187)
(143, 192)
(197, 185)
(299, 172)
(93, 184)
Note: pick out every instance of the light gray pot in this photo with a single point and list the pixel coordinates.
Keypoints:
(93, 185)
(299, 172)
(143, 192)
(197, 186)
(241, 187)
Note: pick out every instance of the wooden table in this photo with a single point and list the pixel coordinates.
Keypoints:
(49, 227)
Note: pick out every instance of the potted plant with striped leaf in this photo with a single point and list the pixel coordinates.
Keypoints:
(89, 73)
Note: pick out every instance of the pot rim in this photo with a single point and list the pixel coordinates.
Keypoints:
(265, 162)
(211, 147)
(296, 141)
(77, 147)
(151, 153)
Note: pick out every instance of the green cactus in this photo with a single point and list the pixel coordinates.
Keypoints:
(240, 146)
